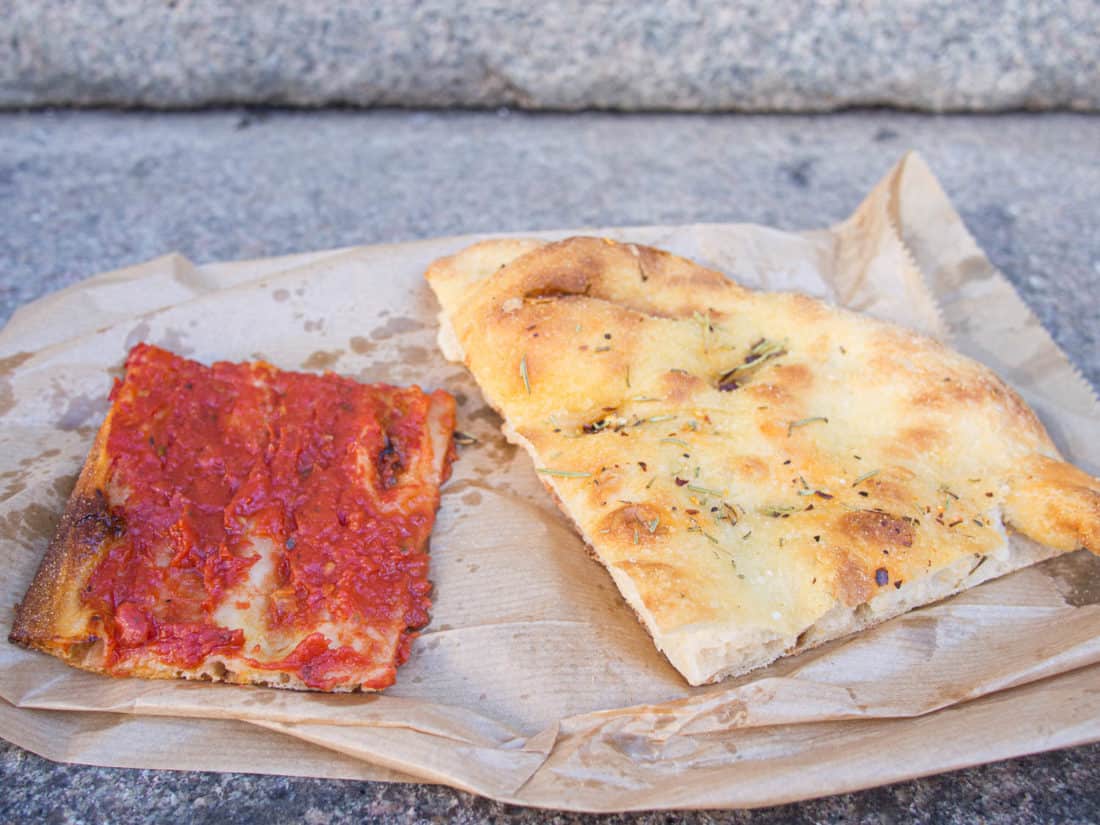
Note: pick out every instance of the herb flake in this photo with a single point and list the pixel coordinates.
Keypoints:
(548, 471)
(802, 422)
(523, 373)
(860, 479)
(695, 488)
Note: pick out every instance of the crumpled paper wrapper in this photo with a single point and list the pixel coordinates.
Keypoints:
(534, 683)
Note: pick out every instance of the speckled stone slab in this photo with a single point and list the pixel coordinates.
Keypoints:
(85, 192)
(803, 55)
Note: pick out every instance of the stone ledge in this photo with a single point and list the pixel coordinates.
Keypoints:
(804, 55)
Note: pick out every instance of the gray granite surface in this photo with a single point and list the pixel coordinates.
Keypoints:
(85, 192)
(801, 55)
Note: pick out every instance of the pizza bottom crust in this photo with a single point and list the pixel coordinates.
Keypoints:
(90, 657)
(705, 654)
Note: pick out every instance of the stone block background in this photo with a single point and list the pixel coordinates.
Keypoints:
(683, 55)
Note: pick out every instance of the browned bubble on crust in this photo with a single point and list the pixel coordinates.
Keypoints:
(874, 527)
(322, 359)
(853, 584)
(640, 524)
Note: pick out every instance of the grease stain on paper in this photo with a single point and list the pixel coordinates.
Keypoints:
(413, 355)
(1077, 577)
(7, 366)
(359, 345)
(80, 409)
(63, 485)
(31, 525)
(396, 326)
(173, 339)
(322, 359)
(138, 334)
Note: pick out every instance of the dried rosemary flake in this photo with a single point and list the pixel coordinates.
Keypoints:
(706, 491)
(860, 479)
(802, 422)
(547, 471)
(760, 353)
(777, 511)
(652, 526)
(465, 439)
(523, 373)
(679, 441)
(710, 538)
(653, 419)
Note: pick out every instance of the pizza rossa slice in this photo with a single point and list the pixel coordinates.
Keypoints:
(240, 523)
(759, 472)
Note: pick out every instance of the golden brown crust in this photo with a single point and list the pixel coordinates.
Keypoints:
(792, 459)
(1056, 503)
(50, 617)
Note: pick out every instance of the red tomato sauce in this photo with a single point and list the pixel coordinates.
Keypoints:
(203, 460)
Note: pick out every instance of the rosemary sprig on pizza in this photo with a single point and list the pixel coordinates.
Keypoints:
(240, 523)
(759, 472)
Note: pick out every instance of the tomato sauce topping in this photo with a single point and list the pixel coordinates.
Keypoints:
(205, 463)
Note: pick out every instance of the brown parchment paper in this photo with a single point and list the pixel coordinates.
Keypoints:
(534, 683)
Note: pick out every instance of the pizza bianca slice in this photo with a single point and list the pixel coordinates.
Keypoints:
(244, 524)
(759, 472)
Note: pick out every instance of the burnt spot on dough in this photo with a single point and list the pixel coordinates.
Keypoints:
(876, 527)
(389, 465)
(92, 522)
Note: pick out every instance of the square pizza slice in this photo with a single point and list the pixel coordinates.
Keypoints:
(759, 472)
(241, 523)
